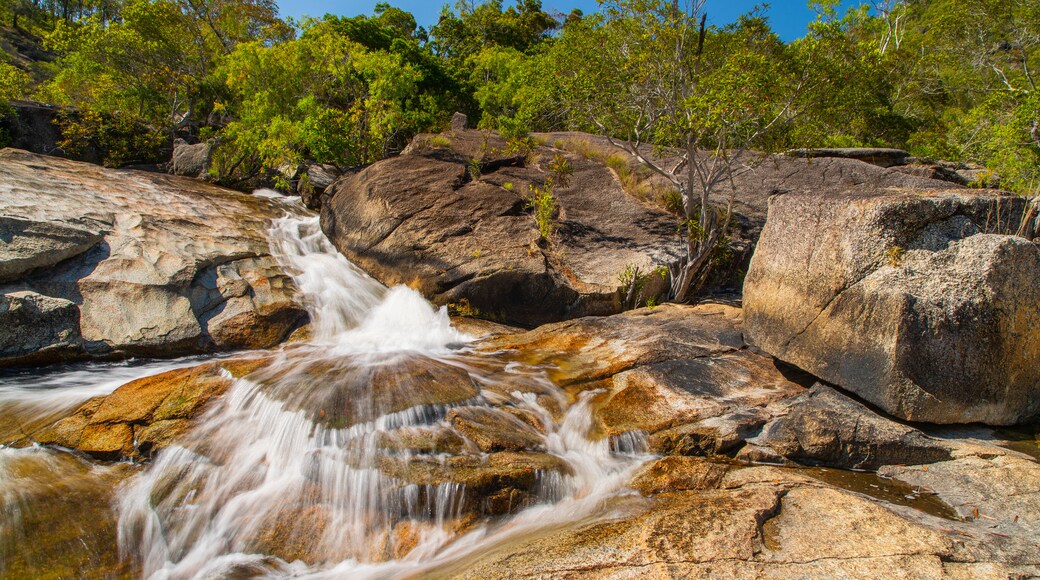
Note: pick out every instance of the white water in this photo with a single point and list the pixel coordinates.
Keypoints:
(287, 465)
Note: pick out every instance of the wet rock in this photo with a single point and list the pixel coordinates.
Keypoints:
(462, 236)
(423, 440)
(145, 415)
(677, 473)
(997, 490)
(338, 392)
(37, 327)
(822, 426)
(496, 484)
(57, 516)
(679, 374)
(758, 522)
(157, 265)
(494, 430)
(917, 302)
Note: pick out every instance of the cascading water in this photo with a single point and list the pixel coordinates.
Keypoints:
(338, 458)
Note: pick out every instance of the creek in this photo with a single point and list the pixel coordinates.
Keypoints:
(341, 457)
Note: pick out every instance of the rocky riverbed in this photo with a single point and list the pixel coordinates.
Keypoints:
(812, 426)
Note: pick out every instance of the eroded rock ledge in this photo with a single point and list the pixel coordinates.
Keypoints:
(97, 262)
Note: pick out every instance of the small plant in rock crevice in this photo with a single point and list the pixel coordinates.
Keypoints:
(543, 205)
(894, 256)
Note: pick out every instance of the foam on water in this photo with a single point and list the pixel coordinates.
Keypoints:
(290, 462)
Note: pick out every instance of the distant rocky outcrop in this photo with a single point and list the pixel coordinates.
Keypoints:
(923, 303)
(97, 262)
(449, 218)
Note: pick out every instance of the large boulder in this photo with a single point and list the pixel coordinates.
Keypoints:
(919, 302)
(449, 218)
(141, 263)
(191, 159)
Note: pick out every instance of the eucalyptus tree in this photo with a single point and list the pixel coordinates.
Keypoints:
(651, 75)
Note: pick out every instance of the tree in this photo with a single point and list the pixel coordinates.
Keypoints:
(649, 75)
(321, 97)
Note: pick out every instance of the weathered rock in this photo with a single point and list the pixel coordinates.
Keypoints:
(998, 491)
(825, 427)
(33, 326)
(760, 522)
(595, 348)
(191, 159)
(341, 391)
(916, 302)
(315, 180)
(679, 374)
(494, 429)
(157, 265)
(26, 246)
(145, 415)
(678, 473)
(426, 219)
(499, 483)
(873, 155)
(458, 122)
(933, 171)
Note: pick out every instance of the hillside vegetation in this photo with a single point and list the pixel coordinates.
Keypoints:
(940, 78)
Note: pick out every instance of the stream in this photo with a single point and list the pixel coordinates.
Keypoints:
(336, 459)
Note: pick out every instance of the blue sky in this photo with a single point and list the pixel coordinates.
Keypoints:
(788, 17)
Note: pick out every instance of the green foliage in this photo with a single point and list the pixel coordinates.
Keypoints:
(945, 79)
(473, 27)
(561, 170)
(321, 97)
(115, 139)
(544, 207)
(14, 84)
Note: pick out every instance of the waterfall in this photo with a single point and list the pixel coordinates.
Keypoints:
(330, 460)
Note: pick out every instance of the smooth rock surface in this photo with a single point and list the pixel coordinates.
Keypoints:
(156, 265)
(462, 236)
(917, 302)
(26, 246)
(823, 426)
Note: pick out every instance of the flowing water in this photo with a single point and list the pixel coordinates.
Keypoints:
(339, 459)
